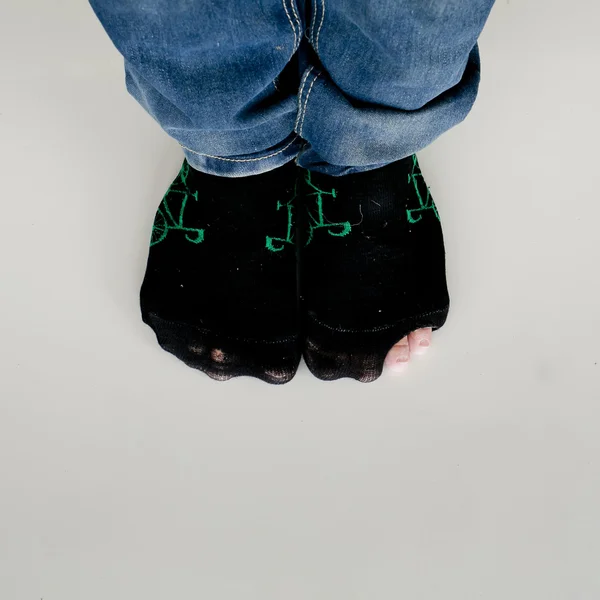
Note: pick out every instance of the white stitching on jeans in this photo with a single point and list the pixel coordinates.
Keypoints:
(313, 22)
(306, 102)
(293, 3)
(241, 159)
(300, 97)
(291, 24)
(321, 25)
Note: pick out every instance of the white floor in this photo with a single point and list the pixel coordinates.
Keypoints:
(125, 475)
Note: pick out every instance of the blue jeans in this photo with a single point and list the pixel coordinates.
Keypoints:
(340, 86)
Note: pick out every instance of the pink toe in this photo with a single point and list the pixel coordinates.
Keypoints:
(398, 357)
(420, 340)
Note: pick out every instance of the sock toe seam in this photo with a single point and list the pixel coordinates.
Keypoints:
(283, 340)
(381, 327)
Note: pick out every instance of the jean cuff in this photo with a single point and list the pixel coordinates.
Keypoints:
(249, 164)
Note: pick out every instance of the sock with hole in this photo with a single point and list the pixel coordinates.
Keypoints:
(220, 285)
(372, 267)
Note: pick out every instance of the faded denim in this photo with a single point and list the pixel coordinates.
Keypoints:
(338, 85)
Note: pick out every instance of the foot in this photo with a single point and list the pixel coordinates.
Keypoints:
(220, 289)
(373, 280)
(416, 343)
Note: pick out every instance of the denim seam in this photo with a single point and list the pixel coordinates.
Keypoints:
(306, 102)
(293, 4)
(291, 25)
(241, 159)
(300, 97)
(321, 25)
(313, 22)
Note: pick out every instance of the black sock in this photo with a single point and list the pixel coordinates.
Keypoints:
(220, 286)
(372, 267)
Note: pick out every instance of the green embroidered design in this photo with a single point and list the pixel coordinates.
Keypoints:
(318, 221)
(170, 217)
(277, 244)
(426, 204)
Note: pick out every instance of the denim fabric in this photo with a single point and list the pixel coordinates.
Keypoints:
(341, 86)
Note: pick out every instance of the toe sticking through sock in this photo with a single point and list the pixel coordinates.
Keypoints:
(372, 267)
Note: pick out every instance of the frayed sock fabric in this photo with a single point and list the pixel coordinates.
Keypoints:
(220, 289)
(372, 267)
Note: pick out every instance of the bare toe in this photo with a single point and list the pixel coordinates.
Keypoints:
(419, 340)
(398, 356)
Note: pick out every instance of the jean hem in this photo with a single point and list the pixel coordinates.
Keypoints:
(243, 166)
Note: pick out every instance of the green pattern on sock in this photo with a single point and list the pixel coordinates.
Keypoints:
(277, 244)
(169, 216)
(318, 221)
(426, 204)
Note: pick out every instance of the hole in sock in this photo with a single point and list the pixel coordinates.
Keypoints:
(209, 247)
(386, 276)
(217, 355)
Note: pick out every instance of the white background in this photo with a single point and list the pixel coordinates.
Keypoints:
(124, 475)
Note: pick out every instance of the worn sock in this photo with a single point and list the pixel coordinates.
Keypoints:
(220, 289)
(372, 267)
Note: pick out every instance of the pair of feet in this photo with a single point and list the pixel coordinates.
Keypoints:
(246, 275)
